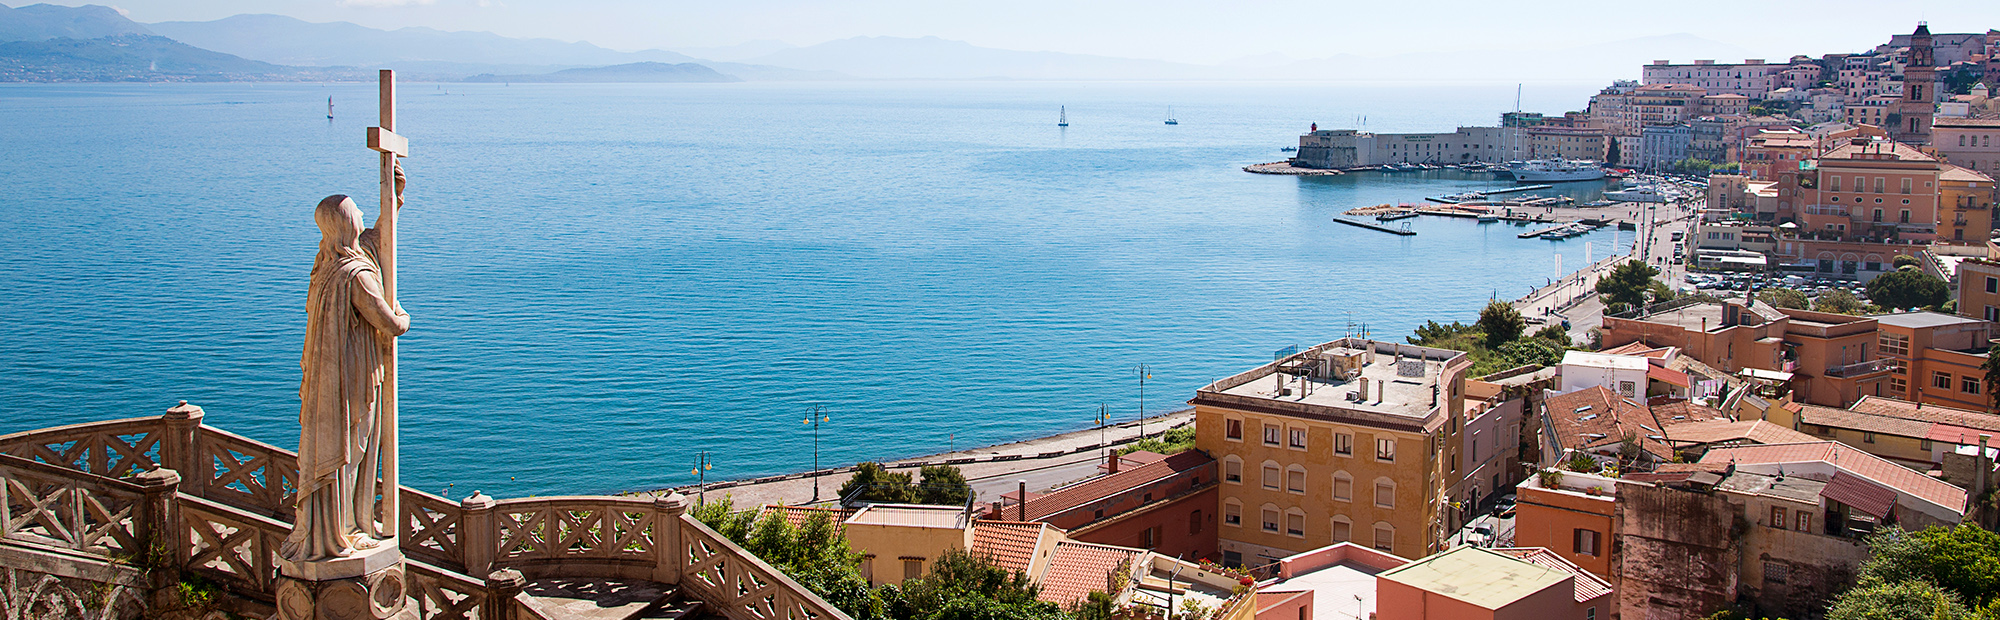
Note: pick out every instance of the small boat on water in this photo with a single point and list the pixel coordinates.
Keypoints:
(1062, 116)
(1643, 193)
(329, 108)
(1557, 170)
(1170, 116)
(1488, 218)
(1289, 149)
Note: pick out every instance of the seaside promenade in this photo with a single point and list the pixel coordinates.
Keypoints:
(1045, 462)
(1574, 296)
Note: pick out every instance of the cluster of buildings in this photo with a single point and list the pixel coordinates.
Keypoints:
(1713, 454)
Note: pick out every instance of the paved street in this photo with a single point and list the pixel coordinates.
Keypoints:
(1044, 462)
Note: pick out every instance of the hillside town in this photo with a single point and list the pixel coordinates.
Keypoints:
(1790, 415)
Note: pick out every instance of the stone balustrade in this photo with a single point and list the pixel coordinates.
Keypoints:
(219, 505)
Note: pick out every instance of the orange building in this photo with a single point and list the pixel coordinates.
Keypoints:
(1473, 583)
(1834, 358)
(1979, 285)
(1936, 358)
(1873, 190)
(1573, 517)
(1770, 152)
(1967, 199)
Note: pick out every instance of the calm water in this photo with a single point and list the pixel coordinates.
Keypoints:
(606, 279)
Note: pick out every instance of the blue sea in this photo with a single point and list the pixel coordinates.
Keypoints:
(607, 279)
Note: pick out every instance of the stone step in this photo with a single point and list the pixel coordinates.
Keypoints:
(567, 598)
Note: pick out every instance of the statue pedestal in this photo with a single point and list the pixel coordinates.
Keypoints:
(365, 586)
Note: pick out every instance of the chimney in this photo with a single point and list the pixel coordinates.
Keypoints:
(1364, 389)
(1112, 466)
(1022, 487)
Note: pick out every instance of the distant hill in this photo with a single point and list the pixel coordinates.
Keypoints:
(629, 72)
(935, 58)
(285, 40)
(41, 22)
(136, 57)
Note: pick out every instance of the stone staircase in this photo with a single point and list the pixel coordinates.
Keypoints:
(609, 599)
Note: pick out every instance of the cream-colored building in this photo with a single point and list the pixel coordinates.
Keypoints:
(1352, 440)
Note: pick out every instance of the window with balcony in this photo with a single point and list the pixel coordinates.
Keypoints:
(1833, 183)
(1905, 186)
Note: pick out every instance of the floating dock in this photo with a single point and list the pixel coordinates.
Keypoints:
(1510, 190)
(1393, 231)
(1559, 231)
(1390, 217)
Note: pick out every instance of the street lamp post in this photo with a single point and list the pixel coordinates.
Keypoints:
(1103, 419)
(702, 465)
(815, 419)
(1144, 373)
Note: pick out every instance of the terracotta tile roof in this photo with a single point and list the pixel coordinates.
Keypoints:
(1849, 459)
(1672, 377)
(1863, 495)
(1957, 434)
(1010, 544)
(1684, 411)
(1588, 586)
(796, 516)
(1077, 568)
(1842, 418)
(1106, 486)
(1889, 407)
(1897, 150)
(1594, 417)
(1757, 431)
(1636, 347)
(1955, 173)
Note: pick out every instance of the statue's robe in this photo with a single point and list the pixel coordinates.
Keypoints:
(340, 413)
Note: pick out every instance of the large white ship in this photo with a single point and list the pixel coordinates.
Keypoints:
(1557, 170)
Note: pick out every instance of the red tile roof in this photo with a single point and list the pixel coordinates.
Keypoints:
(1106, 486)
(1866, 496)
(1672, 377)
(1010, 544)
(1607, 421)
(1876, 405)
(1683, 411)
(1588, 587)
(1077, 568)
(1874, 468)
(1757, 431)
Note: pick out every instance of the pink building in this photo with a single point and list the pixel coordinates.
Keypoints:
(1474, 583)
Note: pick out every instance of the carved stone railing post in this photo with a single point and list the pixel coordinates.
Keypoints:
(180, 448)
(670, 552)
(501, 588)
(155, 521)
(476, 538)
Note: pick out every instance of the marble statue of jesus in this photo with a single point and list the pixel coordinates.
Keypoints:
(350, 326)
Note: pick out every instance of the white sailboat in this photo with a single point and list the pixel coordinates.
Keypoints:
(1062, 116)
(329, 108)
(1170, 116)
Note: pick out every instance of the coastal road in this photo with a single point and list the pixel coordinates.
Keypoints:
(997, 470)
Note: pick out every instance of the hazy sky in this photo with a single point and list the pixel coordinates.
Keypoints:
(1178, 30)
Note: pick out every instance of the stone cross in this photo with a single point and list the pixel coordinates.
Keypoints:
(383, 139)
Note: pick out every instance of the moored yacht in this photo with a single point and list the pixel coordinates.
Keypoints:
(1557, 170)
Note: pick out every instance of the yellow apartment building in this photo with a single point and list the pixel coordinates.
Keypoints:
(1350, 441)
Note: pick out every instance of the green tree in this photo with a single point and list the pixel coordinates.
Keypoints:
(1611, 150)
(944, 484)
(1555, 334)
(1501, 323)
(1432, 332)
(1627, 283)
(963, 586)
(1902, 600)
(877, 484)
(1529, 351)
(1963, 559)
(1838, 301)
(1992, 367)
(1175, 440)
(1908, 289)
(1905, 261)
(1784, 298)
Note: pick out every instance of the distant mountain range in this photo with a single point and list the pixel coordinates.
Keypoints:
(632, 72)
(279, 47)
